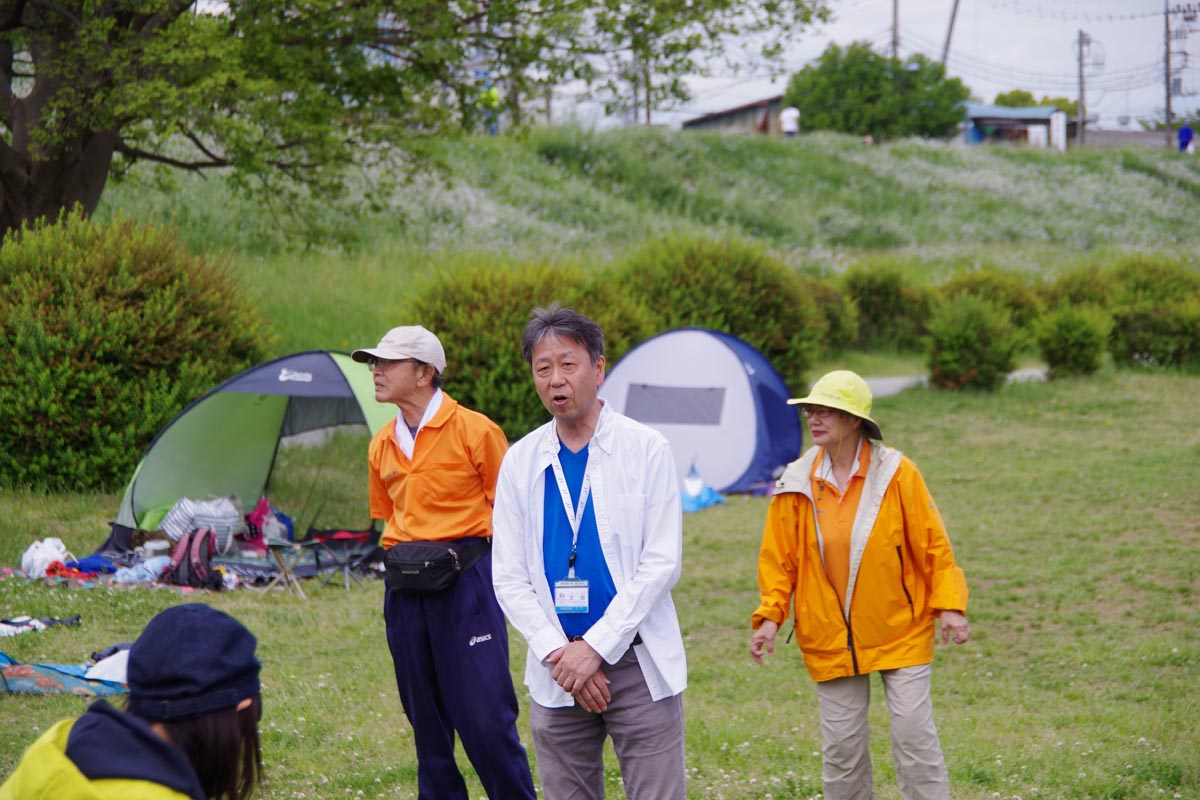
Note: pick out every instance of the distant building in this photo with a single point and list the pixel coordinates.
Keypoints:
(1038, 126)
(761, 116)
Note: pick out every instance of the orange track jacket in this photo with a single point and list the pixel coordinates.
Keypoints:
(448, 488)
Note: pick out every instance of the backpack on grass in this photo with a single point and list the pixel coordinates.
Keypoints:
(191, 561)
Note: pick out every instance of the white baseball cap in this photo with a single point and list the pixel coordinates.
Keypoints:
(407, 341)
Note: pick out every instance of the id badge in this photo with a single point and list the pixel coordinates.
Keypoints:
(571, 596)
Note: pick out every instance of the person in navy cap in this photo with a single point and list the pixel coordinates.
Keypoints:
(189, 730)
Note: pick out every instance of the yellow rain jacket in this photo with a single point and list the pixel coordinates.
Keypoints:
(902, 571)
(104, 755)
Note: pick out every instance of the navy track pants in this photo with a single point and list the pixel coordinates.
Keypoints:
(450, 653)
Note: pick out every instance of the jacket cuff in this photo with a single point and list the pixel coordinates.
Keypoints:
(764, 613)
(546, 642)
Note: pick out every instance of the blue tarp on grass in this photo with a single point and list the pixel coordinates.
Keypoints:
(17, 678)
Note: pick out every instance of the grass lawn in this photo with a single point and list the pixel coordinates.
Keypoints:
(1074, 508)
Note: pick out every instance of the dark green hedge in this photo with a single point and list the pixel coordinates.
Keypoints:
(972, 344)
(733, 287)
(109, 332)
(479, 315)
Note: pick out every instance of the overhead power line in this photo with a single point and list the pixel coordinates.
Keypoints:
(1057, 12)
(964, 64)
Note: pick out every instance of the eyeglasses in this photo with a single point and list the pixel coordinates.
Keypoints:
(818, 412)
(384, 363)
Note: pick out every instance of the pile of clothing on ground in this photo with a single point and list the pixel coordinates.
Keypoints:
(233, 555)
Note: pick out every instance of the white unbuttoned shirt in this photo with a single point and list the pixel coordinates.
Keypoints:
(635, 495)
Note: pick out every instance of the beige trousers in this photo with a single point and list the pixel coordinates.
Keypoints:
(916, 751)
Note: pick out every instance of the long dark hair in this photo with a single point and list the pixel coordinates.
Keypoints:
(224, 749)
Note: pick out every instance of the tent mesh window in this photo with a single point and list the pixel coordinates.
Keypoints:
(679, 405)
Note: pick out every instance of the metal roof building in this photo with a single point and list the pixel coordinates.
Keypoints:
(1040, 126)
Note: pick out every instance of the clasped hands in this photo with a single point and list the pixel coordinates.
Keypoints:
(576, 668)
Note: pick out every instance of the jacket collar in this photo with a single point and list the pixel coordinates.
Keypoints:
(444, 411)
(797, 476)
(106, 743)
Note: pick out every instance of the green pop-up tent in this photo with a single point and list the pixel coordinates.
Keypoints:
(226, 441)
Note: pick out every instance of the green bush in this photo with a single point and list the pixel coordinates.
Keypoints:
(1072, 340)
(892, 313)
(1151, 334)
(479, 314)
(1147, 279)
(110, 331)
(732, 287)
(1087, 285)
(1005, 289)
(972, 344)
(1134, 279)
(1155, 306)
(837, 310)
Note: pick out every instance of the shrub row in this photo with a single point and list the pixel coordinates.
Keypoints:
(113, 329)
(728, 286)
(973, 326)
(1141, 311)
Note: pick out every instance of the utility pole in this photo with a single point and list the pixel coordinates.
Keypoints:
(896, 29)
(1081, 112)
(1167, 71)
(949, 32)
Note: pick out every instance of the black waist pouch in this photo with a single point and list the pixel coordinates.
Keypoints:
(420, 568)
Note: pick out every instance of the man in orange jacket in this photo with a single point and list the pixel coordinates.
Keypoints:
(854, 535)
(433, 478)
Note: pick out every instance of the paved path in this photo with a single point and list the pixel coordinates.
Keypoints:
(883, 387)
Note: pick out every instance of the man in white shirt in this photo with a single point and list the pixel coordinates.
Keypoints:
(587, 544)
(789, 121)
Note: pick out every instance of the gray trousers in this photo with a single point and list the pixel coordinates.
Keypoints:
(647, 737)
(916, 751)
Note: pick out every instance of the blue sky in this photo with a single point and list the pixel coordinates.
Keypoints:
(998, 45)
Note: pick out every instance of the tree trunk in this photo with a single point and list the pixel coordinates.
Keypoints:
(72, 174)
(514, 102)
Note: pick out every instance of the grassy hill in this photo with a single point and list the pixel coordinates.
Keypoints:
(565, 195)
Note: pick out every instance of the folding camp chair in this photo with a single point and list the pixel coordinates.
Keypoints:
(286, 554)
(338, 550)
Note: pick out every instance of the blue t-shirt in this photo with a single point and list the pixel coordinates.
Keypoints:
(556, 543)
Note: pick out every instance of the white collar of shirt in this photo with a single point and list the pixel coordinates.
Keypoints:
(825, 470)
(405, 437)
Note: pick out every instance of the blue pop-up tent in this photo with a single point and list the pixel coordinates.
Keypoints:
(718, 401)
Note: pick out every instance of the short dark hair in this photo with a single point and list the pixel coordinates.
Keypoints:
(559, 320)
(223, 748)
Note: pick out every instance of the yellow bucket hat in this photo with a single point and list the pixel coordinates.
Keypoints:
(845, 391)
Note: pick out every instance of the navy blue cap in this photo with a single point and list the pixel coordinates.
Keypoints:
(191, 659)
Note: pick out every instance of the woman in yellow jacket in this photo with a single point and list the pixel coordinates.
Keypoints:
(854, 536)
(189, 732)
